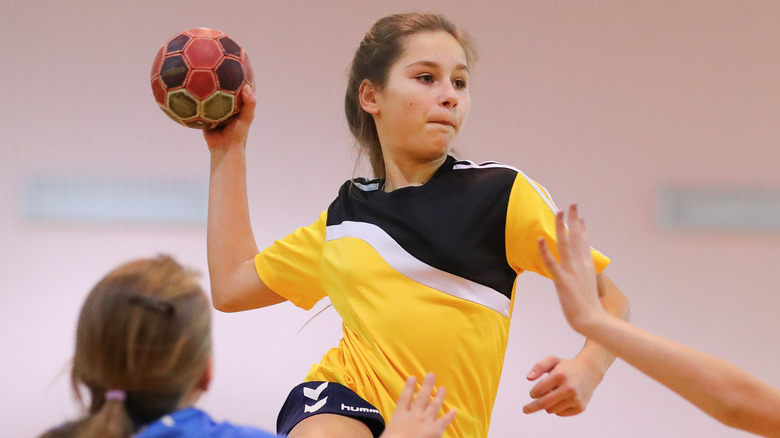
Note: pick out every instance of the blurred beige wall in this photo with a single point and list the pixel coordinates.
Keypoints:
(603, 102)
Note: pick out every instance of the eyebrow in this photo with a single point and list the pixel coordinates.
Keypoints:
(436, 65)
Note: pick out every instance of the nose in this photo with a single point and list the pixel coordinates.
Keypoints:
(449, 96)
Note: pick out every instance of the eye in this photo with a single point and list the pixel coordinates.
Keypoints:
(426, 78)
(459, 83)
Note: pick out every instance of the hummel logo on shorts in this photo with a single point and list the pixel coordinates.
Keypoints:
(314, 394)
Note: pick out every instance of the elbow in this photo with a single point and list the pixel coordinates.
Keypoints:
(238, 287)
(624, 306)
(222, 307)
(221, 300)
(612, 298)
(236, 297)
(739, 405)
(626, 309)
(733, 414)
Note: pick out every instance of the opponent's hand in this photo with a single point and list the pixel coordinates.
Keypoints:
(566, 388)
(416, 416)
(575, 275)
(234, 133)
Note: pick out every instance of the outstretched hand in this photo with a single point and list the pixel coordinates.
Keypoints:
(234, 133)
(575, 275)
(415, 416)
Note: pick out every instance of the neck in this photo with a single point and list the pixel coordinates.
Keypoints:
(190, 398)
(400, 174)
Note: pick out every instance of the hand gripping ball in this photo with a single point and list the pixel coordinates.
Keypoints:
(197, 78)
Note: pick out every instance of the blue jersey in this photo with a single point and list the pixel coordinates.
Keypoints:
(193, 422)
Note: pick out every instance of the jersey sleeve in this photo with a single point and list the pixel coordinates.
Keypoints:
(291, 267)
(531, 215)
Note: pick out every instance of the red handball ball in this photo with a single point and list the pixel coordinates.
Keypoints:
(197, 78)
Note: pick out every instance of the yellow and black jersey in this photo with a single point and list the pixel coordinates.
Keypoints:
(423, 278)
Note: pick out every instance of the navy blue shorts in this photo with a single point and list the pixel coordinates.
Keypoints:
(317, 397)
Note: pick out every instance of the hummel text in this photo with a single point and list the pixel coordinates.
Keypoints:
(357, 409)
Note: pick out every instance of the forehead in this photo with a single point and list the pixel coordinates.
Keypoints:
(439, 47)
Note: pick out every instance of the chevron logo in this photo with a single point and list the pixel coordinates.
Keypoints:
(314, 394)
(316, 406)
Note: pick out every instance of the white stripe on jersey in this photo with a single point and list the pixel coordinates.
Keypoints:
(486, 165)
(493, 164)
(406, 264)
(366, 187)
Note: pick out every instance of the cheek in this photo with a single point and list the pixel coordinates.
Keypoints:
(465, 105)
(408, 110)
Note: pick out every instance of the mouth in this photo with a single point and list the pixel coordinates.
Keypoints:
(443, 122)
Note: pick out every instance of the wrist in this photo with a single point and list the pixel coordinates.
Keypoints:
(596, 357)
(228, 155)
(228, 147)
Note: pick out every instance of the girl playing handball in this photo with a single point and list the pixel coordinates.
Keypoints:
(420, 262)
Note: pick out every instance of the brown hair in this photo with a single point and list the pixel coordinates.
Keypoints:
(144, 329)
(381, 47)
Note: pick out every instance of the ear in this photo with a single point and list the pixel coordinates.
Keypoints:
(367, 94)
(205, 380)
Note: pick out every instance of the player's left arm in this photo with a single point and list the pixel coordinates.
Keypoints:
(616, 304)
(566, 385)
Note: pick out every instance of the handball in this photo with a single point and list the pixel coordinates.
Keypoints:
(197, 77)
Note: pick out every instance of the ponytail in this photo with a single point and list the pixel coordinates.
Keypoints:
(110, 421)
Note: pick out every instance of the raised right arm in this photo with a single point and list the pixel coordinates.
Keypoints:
(231, 246)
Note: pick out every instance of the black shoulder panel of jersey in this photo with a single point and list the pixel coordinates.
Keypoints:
(455, 222)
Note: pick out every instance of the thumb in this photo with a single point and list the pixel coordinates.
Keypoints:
(543, 366)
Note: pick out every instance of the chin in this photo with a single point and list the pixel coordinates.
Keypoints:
(433, 147)
(443, 147)
(435, 153)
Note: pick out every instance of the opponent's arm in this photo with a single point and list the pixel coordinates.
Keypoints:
(719, 388)
(614, 303)
(231, 245)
